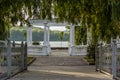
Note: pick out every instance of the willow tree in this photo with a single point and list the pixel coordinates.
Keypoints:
(13, 12)
(101, 17)
(61, 34)
(80, 35)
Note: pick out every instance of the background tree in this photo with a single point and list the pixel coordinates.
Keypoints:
(100, 16)
(14, 12)
(61, 37)
(80, 35)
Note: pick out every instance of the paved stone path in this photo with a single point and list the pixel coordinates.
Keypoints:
(61, 67)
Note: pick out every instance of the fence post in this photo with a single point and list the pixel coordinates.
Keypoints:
(96, 58)
(22, 56)
(114, 58)
(13, 43)
(25, 56)
(100, 57)
(9, 59)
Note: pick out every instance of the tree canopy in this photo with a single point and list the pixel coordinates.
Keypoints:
(101, 17)
(13, 12)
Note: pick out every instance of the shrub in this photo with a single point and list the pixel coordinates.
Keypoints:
(91, 53)
(36, 43)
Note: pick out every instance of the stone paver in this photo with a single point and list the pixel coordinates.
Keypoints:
(59, 67)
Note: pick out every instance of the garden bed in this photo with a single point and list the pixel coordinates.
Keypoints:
(90, 61)
(30, 60)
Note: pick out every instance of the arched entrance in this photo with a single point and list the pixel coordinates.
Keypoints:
(46, 49)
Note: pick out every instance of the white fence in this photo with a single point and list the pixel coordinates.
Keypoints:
(13, 59)
(108, 59)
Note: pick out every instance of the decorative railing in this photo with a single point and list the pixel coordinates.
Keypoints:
(108, 59)
(118, 61)
(13, 58)
(39, 50)
(78, 50)
(35, 49)
(3, 61)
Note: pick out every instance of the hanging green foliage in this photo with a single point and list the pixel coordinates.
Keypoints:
(80, 35)
(13, 12)
(100, 16)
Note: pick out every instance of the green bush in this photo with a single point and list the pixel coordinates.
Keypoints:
(36, 43)
(30, 60)
(91, 53)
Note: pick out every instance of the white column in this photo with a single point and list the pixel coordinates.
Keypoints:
(48, 38)
(29, 36)
(48, 35)
(72, 39)
(45, 44)
(72, 35)
(45, 34)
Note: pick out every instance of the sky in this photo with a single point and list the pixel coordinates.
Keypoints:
(53, 25)
(60, 28)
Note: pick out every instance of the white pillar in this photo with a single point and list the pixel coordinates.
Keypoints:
(29, 36)
(48, 39)
(72, 39)
(48, 35)
(45, 34)
(72, 35)
(45, 44)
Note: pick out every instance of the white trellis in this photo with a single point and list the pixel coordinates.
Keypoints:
(46, 44)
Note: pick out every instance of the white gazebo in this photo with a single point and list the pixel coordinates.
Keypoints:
(46, 49)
